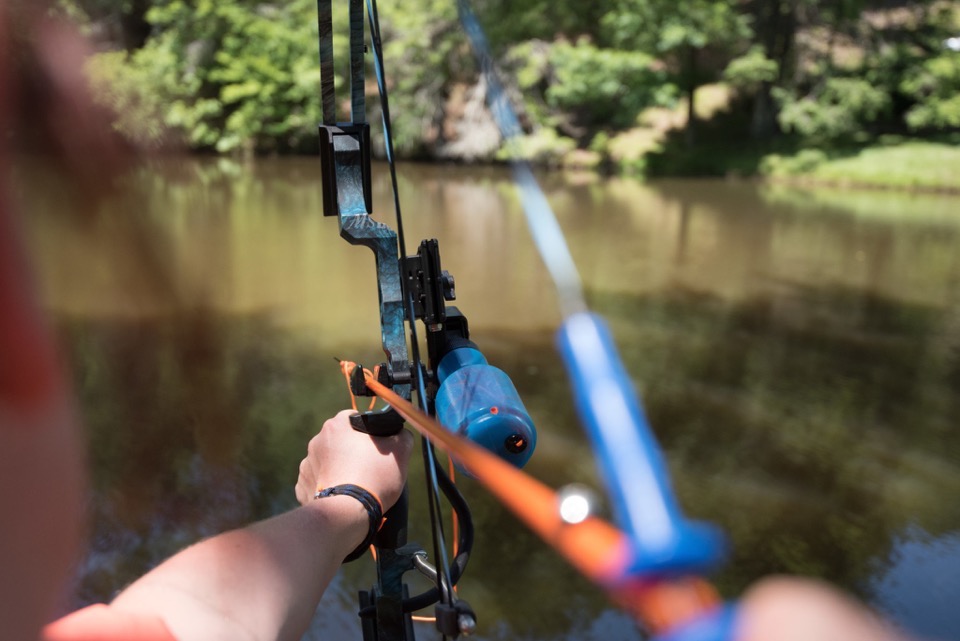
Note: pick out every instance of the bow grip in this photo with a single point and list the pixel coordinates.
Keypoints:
(386, 422)
(383, 423)
(663, 540)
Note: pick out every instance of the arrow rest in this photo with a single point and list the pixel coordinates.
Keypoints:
(428, 286)
(358, 384)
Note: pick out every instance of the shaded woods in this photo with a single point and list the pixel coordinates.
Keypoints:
(632, 84)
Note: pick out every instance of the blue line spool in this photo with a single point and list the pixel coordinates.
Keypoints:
(480, 402)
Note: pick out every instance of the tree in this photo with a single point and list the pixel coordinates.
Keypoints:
(694, 37)
(124, 21)
(230, 76)
(508, 22)
(934, 79)
(753, 74)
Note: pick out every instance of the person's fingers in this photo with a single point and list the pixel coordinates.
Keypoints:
(792, 609)
(339, 421)
(314, 445)
(306, 471)
(338, 454)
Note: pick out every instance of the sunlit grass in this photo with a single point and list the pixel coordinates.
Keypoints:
(910, 165)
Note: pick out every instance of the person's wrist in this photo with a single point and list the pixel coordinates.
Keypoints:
(349, 518)
(372, 507)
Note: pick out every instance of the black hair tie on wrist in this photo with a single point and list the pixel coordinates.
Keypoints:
(369, 502)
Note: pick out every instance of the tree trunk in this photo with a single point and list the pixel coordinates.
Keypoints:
(690, 132)
(134, 26)
(763, 120)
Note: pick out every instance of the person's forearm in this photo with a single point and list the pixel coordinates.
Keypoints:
(260, 582)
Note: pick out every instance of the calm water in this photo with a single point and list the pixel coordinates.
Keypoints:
(798, 353)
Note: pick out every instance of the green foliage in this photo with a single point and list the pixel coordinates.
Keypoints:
(91, 8)
(128, 86)
(545, 146)
(888, 73)
(936, 88)
(909, 164)
(232, 76)
(242, 75)
(840, 110)
(894, 163)
(508, 22)
(70, 10)
(425, 53)
(674, 30)
(665, 26)
(751, 70)
(603, 87)
(694, 38)
(802, 162)
(85, 11)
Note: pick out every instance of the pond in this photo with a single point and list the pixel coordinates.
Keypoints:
(798, 352)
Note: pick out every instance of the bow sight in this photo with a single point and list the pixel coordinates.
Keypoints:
(456, 384)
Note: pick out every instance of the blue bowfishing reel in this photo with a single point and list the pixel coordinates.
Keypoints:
(472, 397)
(479, 401)
(469, 396)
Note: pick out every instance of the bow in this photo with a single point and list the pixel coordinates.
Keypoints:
(456, 383)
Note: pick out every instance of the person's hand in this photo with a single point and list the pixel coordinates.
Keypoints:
(792, 609)
(340, 455)
(788, 609)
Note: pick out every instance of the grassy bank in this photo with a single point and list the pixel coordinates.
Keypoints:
(928, 165)
(658, 146)
(911, 164)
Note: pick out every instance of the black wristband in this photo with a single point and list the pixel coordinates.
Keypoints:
(369, 502)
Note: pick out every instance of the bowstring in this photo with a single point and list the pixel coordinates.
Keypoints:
(429, 456)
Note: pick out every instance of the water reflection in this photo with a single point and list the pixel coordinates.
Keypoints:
(920, 585)
(799, 359)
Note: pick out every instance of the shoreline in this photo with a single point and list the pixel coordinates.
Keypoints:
(850, 184)
(848, 172)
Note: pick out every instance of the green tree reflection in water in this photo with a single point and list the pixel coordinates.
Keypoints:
(801, 367)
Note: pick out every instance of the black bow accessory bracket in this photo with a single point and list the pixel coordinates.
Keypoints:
(345, 169)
